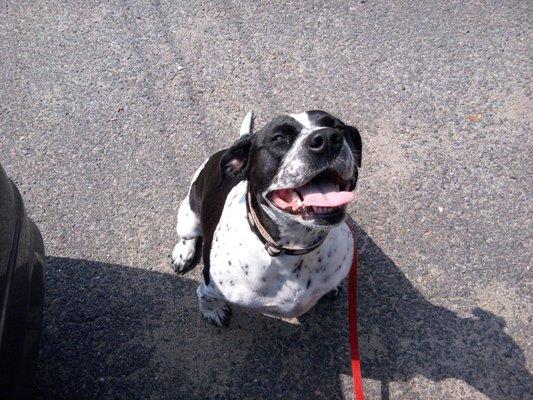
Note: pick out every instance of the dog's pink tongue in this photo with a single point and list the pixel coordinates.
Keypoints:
(324, 194)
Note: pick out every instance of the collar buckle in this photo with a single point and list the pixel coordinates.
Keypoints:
(273, 251)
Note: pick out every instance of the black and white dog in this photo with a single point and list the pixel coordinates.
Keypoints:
(267, 214)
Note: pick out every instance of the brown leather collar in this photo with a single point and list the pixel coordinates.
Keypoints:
(272, 248)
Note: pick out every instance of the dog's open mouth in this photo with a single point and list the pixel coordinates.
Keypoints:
(325, 194)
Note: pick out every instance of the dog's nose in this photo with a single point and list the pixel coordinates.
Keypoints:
(325, 140)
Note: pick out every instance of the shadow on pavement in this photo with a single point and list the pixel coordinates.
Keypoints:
(126, 333)
(404, 335)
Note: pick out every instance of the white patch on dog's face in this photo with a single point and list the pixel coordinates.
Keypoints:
(303, 118)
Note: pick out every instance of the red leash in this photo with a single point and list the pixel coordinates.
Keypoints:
(352, 320)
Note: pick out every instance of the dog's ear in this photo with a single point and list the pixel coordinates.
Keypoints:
(235, 160)
(356, 143)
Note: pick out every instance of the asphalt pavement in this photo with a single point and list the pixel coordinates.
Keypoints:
(107, 108)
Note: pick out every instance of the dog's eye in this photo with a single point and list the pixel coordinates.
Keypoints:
(278, 139)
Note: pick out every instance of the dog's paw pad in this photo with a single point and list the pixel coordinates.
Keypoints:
(183, 256)
(219, 316)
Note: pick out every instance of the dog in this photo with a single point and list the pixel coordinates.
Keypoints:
(267, 215)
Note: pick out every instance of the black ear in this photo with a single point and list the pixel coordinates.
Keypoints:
(235, 160)
(356, 143)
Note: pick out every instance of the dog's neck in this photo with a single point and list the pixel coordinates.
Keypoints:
(284, 231)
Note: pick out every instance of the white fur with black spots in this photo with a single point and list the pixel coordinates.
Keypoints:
(243, 273)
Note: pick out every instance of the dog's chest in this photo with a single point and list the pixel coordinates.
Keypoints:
(286, 286)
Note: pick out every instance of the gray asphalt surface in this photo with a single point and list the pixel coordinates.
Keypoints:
(107, 108)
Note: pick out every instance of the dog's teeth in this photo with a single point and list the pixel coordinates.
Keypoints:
(324, 210)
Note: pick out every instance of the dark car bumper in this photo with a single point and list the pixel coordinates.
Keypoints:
(21, 294)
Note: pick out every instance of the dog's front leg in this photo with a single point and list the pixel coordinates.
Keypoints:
(188, 250)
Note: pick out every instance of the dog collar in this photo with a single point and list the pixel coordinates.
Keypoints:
(272, 248)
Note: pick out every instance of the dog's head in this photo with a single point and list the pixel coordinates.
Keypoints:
(300, 167)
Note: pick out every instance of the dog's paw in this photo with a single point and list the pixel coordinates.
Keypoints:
(184, 256)
(217, 313)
